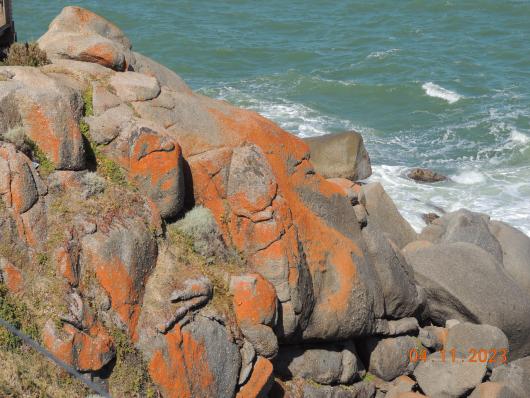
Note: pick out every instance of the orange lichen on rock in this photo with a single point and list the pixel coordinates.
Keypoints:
(87, 351)
(254, 299)
(260, 380)
(12, 276)
(104, 54)
(304, 212)
(114, 278)
(181, 369)
(65, 265)
(59, 342)
(94, 348)
(40, 130)
(155, 165)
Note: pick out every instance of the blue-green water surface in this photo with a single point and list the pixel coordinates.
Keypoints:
(438, 84)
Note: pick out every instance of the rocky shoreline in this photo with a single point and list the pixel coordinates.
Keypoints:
(163, 242)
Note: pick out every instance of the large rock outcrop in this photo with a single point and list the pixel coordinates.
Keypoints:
(301, 270)
(464, 282)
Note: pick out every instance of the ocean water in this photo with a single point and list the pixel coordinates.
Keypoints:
(437, 84)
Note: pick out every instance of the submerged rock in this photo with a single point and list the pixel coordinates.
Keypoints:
(425, 175)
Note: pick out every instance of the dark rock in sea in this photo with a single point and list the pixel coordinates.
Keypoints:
(429, 217)
(425, 175)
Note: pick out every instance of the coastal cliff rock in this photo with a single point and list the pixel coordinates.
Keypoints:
(341, 155)
(167, 243)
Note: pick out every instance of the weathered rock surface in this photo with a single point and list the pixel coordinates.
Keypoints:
(80, 34)
(324, 365)
(388, 358)
(465, 282)
(165, 76)
(312, 390)
(124, 252)
(255, 304)
(493, 390)
(260, 381)
(403, 384)
(197, 359)
(515, 247)
(402, 297)
(340, 155)
(23, 194)
(47, 111)
(441, 379)
(280, 266)
(464, 226)
(471, 341)
(433, 337)
(515, 375)
(384, 216)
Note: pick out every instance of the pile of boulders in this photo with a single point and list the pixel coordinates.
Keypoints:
(333, 293)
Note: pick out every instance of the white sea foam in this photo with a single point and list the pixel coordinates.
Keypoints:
(469, 177)
(519, 138)
(434, 90)
(382, 54)
(294, 117)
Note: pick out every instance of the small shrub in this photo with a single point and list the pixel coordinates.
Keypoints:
(106, 167)
(93, 184)
(17, 137)
(25, 54)
(200, 226)
(46, 166)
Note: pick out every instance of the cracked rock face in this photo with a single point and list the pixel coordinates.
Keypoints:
(24, 194)
(322, 261)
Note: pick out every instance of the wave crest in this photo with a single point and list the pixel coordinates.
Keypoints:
(434, 90)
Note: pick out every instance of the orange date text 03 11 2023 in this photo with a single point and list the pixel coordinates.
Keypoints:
(475, 355)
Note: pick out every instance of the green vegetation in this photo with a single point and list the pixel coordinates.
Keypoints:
(16, 313)
(129, 377)
(17, 136)
(218, 271)
(106, 167)
(88, 95)
(46, 166)
(25, 54)
(368, 377)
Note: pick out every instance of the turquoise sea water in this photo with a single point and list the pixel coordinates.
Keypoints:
(438, 84)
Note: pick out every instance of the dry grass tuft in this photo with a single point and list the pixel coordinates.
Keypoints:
(218, 271)
(25, 54)
(26, 374)
(129, 377)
